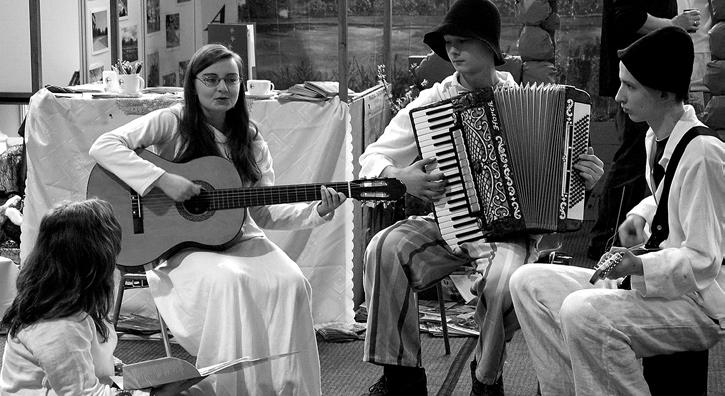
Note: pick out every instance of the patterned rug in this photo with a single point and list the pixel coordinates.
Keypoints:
(344, 373)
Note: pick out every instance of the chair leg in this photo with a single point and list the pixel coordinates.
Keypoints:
(444, 322)
(164, 334)
(119, 300)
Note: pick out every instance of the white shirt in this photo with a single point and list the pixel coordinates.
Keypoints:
(58, 357)
(690, 262)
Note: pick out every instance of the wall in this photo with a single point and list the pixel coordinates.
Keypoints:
(15, 43)
(167, 49)
(10, 119)
(60, 40)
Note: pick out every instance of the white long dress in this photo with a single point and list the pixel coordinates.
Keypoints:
(250, 300)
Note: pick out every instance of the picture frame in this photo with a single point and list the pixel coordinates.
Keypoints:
(169, 80)
(182, 71)
(95, 72)
(153, 16)
(153, 73)
(129, 43)
(98, 30)
(172, 30)
(122, 10)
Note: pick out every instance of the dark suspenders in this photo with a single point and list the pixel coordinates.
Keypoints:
(660, 227)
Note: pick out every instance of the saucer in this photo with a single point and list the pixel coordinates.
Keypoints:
(163, 90)
(114, 95)
(268, 95)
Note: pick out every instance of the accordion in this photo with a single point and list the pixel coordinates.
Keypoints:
(507, 155)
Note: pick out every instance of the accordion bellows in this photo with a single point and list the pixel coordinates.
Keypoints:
(507, 156)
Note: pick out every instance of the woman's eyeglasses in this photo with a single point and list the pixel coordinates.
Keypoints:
(213, 81)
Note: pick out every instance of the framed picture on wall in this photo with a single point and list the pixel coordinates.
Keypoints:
(172, 30)
(98, 30)
(169, 80)
(152, 69)
(95, 72)
(182, 71)
(153, 16)
(129, 43)
(122, 10)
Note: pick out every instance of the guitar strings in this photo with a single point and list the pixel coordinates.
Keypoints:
(160, 199)
(211, 194)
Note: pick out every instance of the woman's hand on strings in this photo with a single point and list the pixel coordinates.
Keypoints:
(177, 187)
(331, 199)
(590, 168)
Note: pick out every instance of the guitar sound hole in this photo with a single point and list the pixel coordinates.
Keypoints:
(198, 208)
(196, 205)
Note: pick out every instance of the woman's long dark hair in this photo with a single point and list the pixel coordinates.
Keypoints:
(197, 135)
(70, 269)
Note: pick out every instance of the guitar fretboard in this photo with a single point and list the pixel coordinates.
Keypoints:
(271, 195)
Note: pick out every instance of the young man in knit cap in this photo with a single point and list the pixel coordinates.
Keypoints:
(411, 255)
(585, 339)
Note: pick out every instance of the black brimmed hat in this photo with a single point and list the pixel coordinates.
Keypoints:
(477, 19)
(661, 60)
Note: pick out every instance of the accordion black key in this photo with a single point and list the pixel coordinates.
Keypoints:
(507, 156)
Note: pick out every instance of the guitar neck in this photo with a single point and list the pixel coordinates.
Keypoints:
(271, 195)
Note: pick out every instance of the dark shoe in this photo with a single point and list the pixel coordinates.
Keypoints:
(405, 386)
(478, 388)
(379, 388)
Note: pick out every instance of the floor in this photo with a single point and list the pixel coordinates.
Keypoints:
(344, 373)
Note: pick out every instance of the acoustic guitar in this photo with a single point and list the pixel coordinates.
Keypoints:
(154, 226)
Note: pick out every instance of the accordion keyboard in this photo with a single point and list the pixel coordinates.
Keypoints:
(439, 137)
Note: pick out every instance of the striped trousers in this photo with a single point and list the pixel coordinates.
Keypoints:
(410, 256)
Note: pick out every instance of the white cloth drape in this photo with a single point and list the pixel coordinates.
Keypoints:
(310, 142)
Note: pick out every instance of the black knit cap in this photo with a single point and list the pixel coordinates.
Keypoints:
(478, 19)
(661, 60)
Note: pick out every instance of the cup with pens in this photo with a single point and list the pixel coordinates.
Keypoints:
(129, 80)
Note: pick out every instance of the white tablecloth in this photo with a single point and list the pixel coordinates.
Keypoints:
(8, 276)
(310, 142)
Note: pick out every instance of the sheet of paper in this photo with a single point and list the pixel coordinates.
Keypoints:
(463, 283)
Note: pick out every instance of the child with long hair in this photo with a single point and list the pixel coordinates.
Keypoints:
(251, 299)
(59, 339)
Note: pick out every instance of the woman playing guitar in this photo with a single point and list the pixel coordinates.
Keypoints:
(250, 299)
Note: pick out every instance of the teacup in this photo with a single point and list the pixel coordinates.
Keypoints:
(131, 83)
(259, 87)
(110, 81)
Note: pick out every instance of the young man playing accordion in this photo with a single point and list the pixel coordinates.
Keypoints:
(411, 254)
(586, 339)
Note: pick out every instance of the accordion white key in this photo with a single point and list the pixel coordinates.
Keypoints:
(507, 156)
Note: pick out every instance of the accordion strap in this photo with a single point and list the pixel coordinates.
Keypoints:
(660, 226)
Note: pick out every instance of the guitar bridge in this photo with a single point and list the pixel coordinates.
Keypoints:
(136, 213)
